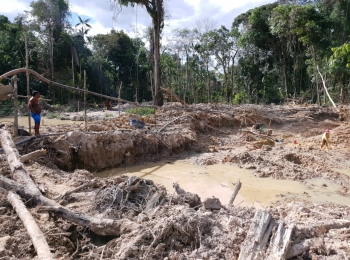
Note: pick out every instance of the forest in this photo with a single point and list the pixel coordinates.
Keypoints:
(274, 53)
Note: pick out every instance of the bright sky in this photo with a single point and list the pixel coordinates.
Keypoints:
(181, 13)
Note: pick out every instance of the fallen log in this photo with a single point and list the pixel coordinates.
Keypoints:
(33, 155)
(238, 186)
(26, 188)
(36, 235)
(101, 227)
(27, 157)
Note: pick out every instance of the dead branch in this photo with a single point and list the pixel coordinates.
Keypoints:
(172, 122)
(36, 235)
(27, 189)
(238, 186)
(81, 187)
(325, 88)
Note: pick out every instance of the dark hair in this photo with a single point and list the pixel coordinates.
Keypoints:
(34, 93)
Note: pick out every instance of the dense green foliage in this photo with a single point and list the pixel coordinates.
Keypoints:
(271, 53)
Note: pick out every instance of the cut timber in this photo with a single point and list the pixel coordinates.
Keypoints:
(260, 229)
(32, 155)
(280, 243)
(36, 235)
(234, 193)
(27, 189)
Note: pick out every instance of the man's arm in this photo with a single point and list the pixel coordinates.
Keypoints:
(30, 106)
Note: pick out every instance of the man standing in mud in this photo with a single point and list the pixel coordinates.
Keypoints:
(35, 111)
(325, 139)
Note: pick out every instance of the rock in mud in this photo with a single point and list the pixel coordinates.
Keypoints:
(212, 203)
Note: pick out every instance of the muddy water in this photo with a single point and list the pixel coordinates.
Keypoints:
(23, 121)
(218, 181)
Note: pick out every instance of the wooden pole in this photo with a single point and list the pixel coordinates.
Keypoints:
(85, 119)
(36, 235)
(27, 74)
(15, 98)
(120, 88)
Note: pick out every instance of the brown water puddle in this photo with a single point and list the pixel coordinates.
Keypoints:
(218, 180)
(23, 121)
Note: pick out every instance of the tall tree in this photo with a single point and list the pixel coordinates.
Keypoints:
(155, 9)
(48, 19)
(84, 27)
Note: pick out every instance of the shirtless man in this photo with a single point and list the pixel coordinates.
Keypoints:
(325, 139)
(35, 111)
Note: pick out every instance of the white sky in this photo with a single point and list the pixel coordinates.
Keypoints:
(182, 13)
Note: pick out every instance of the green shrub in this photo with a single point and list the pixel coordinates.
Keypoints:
(108, 115)
(141, 111)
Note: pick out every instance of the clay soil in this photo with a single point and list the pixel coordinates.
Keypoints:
(178, 226)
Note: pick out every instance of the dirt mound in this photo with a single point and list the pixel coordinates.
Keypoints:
(100, 151)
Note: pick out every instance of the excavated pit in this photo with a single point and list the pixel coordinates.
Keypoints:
(169, 227)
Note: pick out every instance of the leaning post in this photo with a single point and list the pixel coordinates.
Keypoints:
(15, 100)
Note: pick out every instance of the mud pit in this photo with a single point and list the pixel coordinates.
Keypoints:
(178, 226)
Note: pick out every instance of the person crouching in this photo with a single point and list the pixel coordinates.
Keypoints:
(325, 139)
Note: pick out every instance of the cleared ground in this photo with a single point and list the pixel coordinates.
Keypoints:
(169, 225)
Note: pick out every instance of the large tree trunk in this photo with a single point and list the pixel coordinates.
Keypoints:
(158, 101)
(28, 190)
(36, 235)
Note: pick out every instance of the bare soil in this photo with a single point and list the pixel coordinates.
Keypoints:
(174, 226)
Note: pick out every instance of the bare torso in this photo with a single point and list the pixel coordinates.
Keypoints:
(34, 106)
